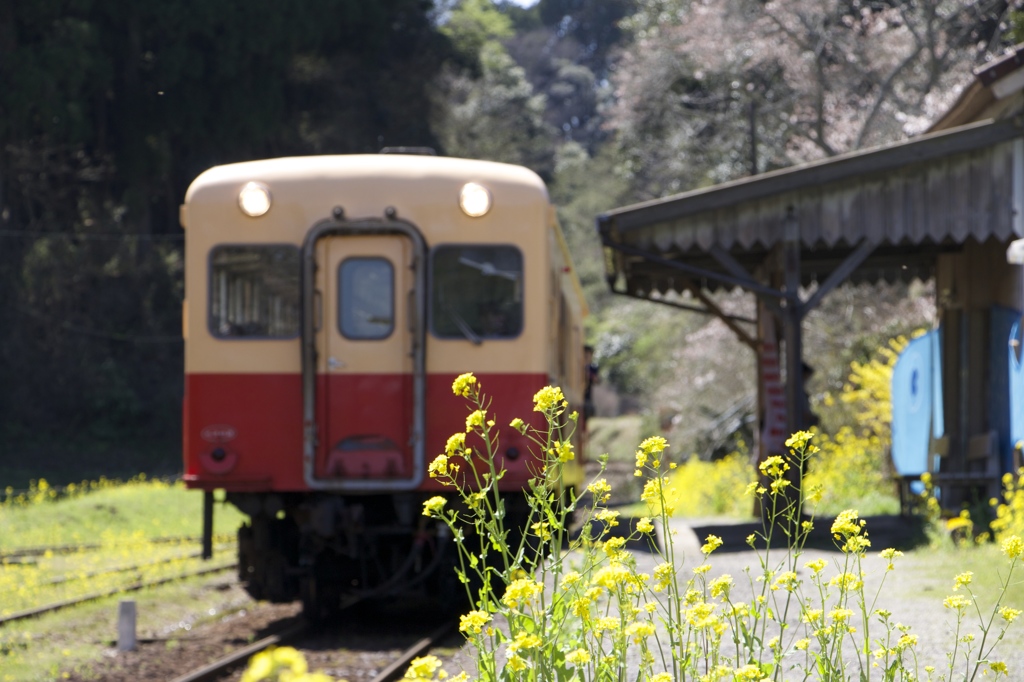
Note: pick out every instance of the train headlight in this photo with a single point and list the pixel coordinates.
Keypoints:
(474, 200)
(254, 199)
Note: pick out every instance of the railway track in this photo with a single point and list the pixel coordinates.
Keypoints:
(134, 587)
(26, 553)
(295, 634)
(129, 569)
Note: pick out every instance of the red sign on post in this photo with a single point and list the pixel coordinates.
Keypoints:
(773, 433)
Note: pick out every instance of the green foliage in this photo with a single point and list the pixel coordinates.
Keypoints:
(90, 511)
(109, 110)
(583, 187)
(471, 24)
(496, 116)
(852, 472)
(854, 467)
(1010, 511)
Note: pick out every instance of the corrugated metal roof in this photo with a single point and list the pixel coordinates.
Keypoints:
(938, 189)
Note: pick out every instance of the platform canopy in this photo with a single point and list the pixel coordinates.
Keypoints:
(947, 205)
(866, 216)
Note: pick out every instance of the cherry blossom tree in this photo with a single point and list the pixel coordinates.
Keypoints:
(713, 89)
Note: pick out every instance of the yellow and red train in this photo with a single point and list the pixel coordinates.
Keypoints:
(330, 302)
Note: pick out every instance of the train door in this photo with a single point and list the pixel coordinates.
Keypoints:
(366, 344)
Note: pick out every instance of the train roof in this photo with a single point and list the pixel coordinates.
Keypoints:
(420, 170)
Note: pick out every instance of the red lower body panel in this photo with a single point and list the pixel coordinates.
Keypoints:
(244, 431)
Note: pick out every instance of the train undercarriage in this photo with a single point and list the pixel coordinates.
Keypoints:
(327, 549)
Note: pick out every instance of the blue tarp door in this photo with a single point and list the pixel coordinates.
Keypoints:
(916, 404)
(1016, 373)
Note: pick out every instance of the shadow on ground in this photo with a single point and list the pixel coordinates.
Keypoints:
(899, 532)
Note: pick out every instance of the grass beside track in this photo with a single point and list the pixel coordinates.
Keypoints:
(130, 522)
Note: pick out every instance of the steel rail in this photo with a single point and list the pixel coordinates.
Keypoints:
(73, 549)
(128, 569)
(392, 672)
(397, 668)
(135, 587)
(238, 657)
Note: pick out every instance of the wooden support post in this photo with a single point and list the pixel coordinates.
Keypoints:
(792, 329)
(792, 322)
(208, 525)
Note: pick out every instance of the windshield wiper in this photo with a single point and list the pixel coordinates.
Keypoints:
(488, 270)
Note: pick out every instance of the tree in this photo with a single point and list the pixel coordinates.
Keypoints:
(704, 83)
(489, 111)
(108, 111)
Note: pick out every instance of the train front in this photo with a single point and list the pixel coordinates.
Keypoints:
(330, 302)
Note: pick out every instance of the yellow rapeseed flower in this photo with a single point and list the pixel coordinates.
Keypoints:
(456, 444)
(957, 602)
(847, 523)
(523, 641)
(563, 450)
(474, 621)
(711, 543)
(652, 492)
(720, 586)
(475, 420)
(609, 517)
(1013, 546)
(516, 663)
(600, 490)
(654, 445)
(521, 591)
(840, 615)
(433, 506)
(962, 579)
(439, 467)
(799, 439)
(663, 573)
(611, 576)
(423, 667)
(773, 466)
(548, 399)
(644, 525)
(639, 631)
(464, 385)
(1008, 614)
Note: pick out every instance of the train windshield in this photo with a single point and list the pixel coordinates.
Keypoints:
(254, 291)
(477, 292)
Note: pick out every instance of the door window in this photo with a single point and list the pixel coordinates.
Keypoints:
(366, 298)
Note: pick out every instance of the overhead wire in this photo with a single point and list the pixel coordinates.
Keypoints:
(91, 236)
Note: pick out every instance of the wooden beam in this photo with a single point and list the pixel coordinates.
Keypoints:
(735, 268)
(726, 319)
(695, 271)
(838, 276)
(686, 307)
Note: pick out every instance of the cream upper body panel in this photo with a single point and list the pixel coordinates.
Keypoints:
(423, 190)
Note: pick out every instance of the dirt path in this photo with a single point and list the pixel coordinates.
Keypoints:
(913, 592)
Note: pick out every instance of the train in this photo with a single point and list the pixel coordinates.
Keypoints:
(330, 301)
